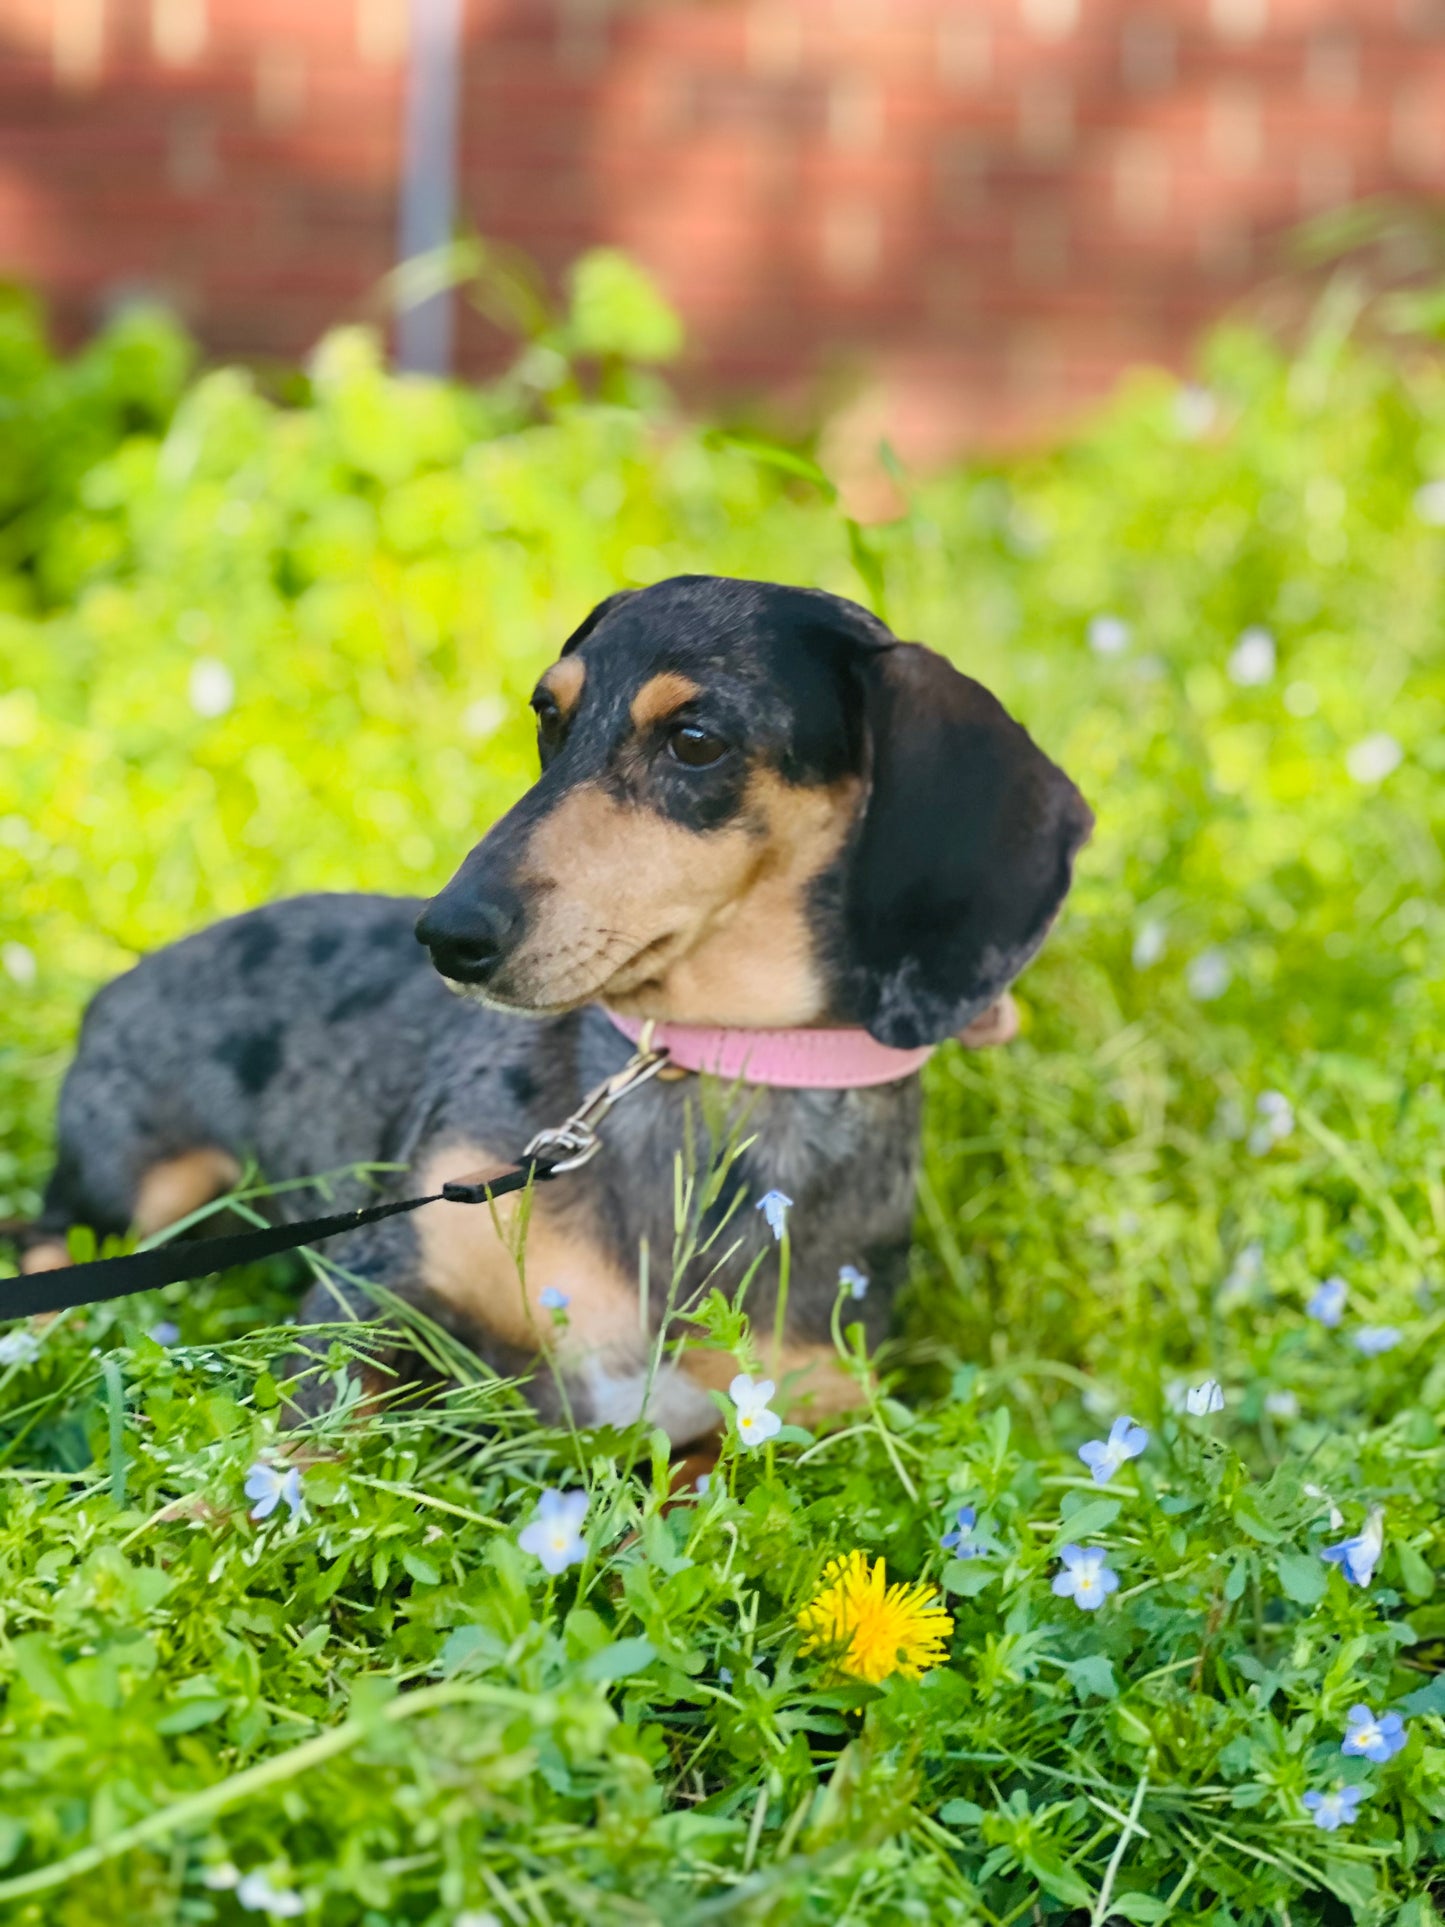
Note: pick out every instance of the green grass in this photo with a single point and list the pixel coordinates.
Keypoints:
(387, 1707)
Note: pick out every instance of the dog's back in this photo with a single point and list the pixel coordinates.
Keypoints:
(292, 1036)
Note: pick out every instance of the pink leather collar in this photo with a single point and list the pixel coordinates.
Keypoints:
(793, 1060)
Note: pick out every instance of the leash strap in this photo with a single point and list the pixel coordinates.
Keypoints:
(550, 1153)
(174, 1264)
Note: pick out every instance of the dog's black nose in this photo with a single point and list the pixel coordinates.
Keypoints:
(468, 936)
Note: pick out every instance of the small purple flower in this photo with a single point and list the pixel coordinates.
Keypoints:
(959, 1542)
(1335, 1810)
(1327, 1302)
(855, 1281)
(1374, 1339)
(550, 1299)
(1373, 1739)
(1358, 1557)
(554, 1532)
(1104, 1457)
(268, 1487)
(775, 1206)
(1084, 1577)
(165, 1333)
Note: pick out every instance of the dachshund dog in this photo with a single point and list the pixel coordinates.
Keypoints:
(757, 812)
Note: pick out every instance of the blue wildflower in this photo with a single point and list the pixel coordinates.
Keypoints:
(1374, 1339)
(959, 1542)
(1084, 1577)
(775, 1206)
(554, 1532)
(855, 1280)
(1327, 1302)
(1358, 1557)
(1337, 1809)
(1373, 1739)
(268, 1488)
(550, 1299)
(1104, 1457)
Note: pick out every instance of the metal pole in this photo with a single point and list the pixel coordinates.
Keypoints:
(429, 176)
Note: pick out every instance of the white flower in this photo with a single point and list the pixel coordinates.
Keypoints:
(269, 1487)
(1252, 660)
(1150, 940)
(1195, 411)
(484, 717)
(1374, 1339)
(476, 1917)
(1243, 1275)
(855, 1281)
(1208, 975)
(212, 688)
(1430, 503)
(1203, 1399)
(756, 1424)
(1281, 1405)
(1374, 758)
(18, 963)
(775, 1206)
(258, 1896)
(1109, 635)
(19, 1347)
(1276, 1121)
(554, 1532)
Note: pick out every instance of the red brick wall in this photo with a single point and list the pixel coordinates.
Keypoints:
(992, 205)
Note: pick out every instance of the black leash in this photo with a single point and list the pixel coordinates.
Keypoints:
(549, 1154)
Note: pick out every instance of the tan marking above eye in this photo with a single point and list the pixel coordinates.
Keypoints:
(660, 695)
(563, 683)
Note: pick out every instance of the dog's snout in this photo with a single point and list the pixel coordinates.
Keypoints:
(468, 936)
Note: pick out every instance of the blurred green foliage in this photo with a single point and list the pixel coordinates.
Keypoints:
(249, 648)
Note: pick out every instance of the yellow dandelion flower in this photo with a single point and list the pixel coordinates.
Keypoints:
(871, 1629)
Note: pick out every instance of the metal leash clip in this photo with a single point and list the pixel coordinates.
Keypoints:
(566, 1147)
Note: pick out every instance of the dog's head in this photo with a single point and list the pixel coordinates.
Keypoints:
(758, 808)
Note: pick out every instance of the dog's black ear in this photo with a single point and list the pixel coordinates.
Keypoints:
(963, 855)
(604, 609)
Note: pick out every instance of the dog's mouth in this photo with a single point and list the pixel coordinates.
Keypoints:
(535, 990)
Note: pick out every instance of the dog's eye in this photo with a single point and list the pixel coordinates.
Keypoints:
(549, 721)
(695, 747)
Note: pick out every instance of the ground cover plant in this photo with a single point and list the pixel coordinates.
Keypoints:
(1154, 1463)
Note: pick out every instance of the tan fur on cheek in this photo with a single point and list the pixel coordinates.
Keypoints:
(754, 962)
(609, 882)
